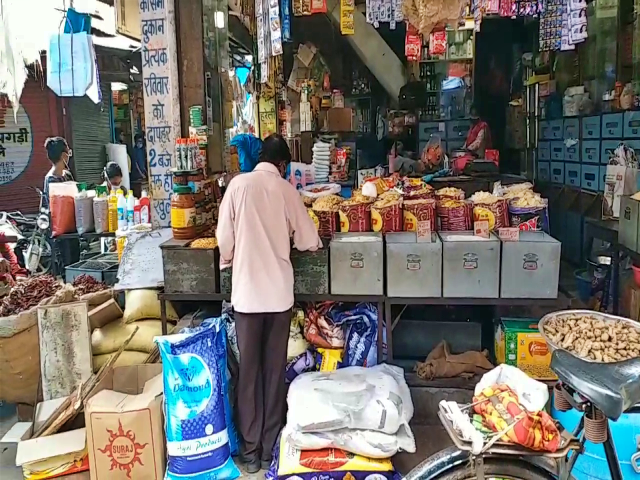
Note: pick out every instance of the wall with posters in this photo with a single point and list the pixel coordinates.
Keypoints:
(23, 159)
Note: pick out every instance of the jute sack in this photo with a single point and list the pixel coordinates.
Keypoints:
(20, 350)
(125, 359)
(98, 298)
(143, 304)
(13, 324)
(109, 338)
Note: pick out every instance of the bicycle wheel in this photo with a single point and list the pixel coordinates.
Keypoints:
(497, 469)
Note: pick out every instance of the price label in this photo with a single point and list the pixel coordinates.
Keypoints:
(423, 231)
(481, 228)
(509, 234)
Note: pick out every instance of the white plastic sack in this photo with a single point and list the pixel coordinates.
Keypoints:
(367, 443)
(533, 395)
(375, 398)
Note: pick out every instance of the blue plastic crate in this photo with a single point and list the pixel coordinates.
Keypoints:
(592, 464)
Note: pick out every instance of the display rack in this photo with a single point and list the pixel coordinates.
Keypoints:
(384, 305)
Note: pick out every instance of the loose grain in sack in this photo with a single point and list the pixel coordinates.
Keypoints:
(455, 215)
(386, 213)
(419, 210)
(491, 208)
(355, 215)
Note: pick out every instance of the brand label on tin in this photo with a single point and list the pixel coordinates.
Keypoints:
(470, 261)
(357, 260)
(413, 262)
(530, 261)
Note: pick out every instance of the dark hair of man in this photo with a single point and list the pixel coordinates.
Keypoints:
(275, 150)
(112, 170)
(55, 147)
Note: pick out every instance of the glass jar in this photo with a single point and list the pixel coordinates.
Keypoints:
(183, 213)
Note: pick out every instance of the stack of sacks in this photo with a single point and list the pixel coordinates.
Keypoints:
(142, 310)
(332, 415)
(321, 161)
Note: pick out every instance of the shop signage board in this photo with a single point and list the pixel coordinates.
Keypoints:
(161, 100)
(16, 142)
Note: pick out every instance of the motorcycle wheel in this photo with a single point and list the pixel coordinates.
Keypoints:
(497, 469)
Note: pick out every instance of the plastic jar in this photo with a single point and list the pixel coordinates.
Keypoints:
(101, 214)
(180, 178)
(195, 180)
(183, 213)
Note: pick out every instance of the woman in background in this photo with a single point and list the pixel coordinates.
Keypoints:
(112, 176)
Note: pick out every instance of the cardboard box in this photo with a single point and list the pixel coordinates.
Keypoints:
(125, 429)
(53, 456)
(519, 343)
(340, 120)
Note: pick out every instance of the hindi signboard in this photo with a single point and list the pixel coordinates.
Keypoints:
(16, 142)
(161, 101)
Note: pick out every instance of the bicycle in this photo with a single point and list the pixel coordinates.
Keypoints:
(606, 391)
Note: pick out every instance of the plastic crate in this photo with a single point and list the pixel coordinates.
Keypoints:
(104, 270)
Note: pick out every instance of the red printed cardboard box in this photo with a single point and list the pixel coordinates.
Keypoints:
(125, 430)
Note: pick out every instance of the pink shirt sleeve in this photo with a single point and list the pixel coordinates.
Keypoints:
(305, 235)
(225, 231)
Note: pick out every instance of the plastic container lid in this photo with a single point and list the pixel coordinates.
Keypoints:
(182, 189)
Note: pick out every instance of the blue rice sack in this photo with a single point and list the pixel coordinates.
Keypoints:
(198, 446)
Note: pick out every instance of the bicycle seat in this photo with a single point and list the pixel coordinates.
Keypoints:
(613, 388)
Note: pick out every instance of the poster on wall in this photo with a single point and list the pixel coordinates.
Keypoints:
(16, 142)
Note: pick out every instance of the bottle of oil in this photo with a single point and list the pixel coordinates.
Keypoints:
(113, 211)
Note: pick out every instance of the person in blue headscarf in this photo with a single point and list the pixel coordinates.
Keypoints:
(249, 148)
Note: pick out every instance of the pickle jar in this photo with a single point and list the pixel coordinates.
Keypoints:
(183, 213)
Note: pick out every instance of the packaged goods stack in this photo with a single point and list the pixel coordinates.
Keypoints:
(369, 410)
(322, 153)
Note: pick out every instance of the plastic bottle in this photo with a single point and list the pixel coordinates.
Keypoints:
(122, 211)
(145, 208)
(131, 204)
(113, 211)
(136, 213)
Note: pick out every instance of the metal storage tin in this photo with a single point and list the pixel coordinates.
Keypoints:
(413, 269)
(470, 265)
(629, 220)
(544, 171)
(310, 271)
(530, 266)
(612, 125)
(357, 264)
(591, 127)
(190, 270)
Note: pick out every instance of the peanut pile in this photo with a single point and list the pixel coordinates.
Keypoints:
(593, 338)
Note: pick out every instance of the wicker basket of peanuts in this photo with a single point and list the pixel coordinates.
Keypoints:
(592, 336)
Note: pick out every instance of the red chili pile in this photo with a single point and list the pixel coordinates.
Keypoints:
(87, 284)
(29, 293)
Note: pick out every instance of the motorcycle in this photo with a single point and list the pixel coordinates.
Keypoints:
(33, 248)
